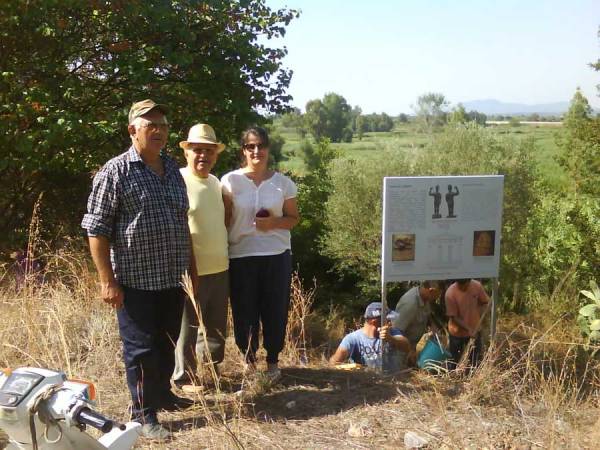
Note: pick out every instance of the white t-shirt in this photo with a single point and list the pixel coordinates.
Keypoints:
(247, 198)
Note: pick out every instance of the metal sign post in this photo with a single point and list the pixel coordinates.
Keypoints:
(383, 289)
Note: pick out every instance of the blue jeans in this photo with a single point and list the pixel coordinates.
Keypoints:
(260, 295)
(149, 324)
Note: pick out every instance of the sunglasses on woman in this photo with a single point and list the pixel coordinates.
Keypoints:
(260, 146)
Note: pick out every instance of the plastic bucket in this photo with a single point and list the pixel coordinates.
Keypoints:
(433, 356)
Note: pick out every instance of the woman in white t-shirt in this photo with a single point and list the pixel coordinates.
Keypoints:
(261, 209)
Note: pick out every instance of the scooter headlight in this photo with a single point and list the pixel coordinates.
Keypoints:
(17, 386)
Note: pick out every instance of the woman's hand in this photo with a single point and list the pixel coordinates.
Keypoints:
(266, 223)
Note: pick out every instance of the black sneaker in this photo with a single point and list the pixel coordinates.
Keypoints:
(155, 431)
(172, 402)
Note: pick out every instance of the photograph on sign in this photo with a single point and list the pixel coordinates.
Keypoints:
(441, 227)
(483, 242)
(403, 247)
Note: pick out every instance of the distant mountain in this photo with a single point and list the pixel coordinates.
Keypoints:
(495, 107)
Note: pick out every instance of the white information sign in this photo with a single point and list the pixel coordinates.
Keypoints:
(438, 228)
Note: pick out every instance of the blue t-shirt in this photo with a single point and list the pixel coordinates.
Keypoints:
(366, 350)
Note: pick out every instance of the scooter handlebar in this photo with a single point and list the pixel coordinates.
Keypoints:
(89, 417)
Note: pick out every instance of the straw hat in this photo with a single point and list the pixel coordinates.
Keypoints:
(202, 133)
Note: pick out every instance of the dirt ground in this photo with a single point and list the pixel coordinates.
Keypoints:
(319, 407)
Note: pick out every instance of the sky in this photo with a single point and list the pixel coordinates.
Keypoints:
(382, 54)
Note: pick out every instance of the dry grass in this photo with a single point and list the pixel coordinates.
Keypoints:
(535, 388)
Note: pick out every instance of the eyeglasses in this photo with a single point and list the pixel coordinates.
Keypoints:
(152, 126)
(248, 147)
(161, 125)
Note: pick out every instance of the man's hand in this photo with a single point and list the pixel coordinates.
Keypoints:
(384, 333)
(112, 293)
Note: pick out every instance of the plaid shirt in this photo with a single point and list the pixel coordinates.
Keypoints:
(144, 217)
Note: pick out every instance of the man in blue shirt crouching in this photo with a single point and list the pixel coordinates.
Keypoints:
(363, 346)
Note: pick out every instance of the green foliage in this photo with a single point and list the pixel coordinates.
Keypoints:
(314, 189)
(329, 118)
(346, 135)
(353, 216)
(514, 121)
(430, 111)
(589, 315)
(354, 207)
(580, 157)
(374, 123)
(580, 145)
(70, 70)
(276, 143)
(355, 113)
(402, 118)
(458, 115)
(294, 119)
(478, 117)
(579, 110)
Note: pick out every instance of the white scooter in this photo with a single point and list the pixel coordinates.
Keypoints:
(41, 410)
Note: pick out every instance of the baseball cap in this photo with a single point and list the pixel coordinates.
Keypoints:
(374, 310)
(145, 106)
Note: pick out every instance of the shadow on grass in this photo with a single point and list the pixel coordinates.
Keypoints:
(303, 393)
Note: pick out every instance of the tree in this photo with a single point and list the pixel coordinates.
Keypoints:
(458, 115)
(430, 111)
(361, 126)
(314, 189)
(328, 118)
(579, 111)
(402, 118)
(580, 146)
(66, 85)
(478, 117)
(355, 113)
(384, 122)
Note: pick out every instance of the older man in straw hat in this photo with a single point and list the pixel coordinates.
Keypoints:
(136, 222)
(206, 219)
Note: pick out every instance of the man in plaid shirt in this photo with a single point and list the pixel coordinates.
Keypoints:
(138, 233)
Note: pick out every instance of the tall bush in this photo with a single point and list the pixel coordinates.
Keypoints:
(354, 207)
(314, 189)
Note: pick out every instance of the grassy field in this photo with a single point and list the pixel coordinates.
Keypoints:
(407, 136)
(535, 389)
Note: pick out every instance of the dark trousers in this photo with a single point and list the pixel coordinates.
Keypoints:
(456, 347)
(260, 294)
(149, 324)
(212, 299)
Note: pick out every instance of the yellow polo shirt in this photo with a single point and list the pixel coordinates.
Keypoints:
(206, 218)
